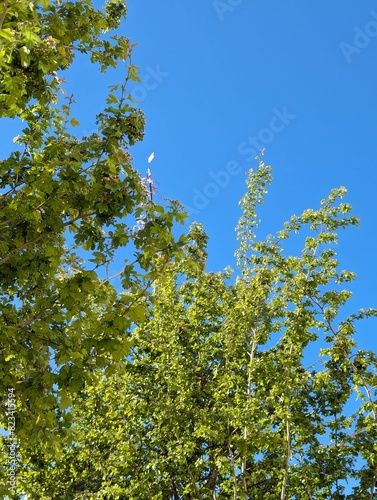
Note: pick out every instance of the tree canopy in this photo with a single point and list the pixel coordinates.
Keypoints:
(176, 382)
(68, 206)
(225, 393)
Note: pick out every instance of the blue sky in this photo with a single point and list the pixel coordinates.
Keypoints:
(222, 77)
(224, 72)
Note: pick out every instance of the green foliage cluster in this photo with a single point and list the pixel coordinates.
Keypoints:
(185, 384)
(222, 396)
(39, 38)
(68, 204)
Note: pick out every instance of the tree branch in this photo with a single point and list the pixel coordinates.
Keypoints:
(41, 236)
(2, 18)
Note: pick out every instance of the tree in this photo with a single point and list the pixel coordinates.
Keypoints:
(223, 395)
(68, 206)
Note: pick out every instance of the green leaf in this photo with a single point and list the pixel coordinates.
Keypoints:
(111, 99)
(7, 34)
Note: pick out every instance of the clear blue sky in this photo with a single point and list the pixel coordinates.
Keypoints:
(299, 78)
(225, 72)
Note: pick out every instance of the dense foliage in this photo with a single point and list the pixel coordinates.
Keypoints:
(68, 204)
(225, 394)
